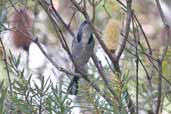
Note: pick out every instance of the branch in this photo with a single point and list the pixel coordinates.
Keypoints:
(82, 10)
(65, 46)
(53, 13)
(36, 41)
(129, 14)
(100, 70)
(6, 65)
(136, 37)
(167, 28)
(161, 58)
(158, 105)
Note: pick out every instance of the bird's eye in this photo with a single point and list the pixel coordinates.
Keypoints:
(79, 35)
(90, 39)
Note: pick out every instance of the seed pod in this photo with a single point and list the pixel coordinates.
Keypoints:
(22, 24)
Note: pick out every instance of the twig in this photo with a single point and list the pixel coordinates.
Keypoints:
(72, 17)
(6, 66)
(151, 59)
(55, 14)
(104, 6)
(158, 105)
(141, 28)
(145, 36)
(142, 51)
(145, 69)
(13, 6)
(94, 11)
(161, 58)
(127, 28)
(84, 76)
(82, 10)
(64, 44)
(96, 62)
(167, 28)
(110, 66)
(99, 91)
(137, 62)
(114, 59)
(52, 61)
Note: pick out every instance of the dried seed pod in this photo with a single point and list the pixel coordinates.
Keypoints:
(111, 34)
(22, 24)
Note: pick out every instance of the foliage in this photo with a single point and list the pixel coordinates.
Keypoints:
(129, 76)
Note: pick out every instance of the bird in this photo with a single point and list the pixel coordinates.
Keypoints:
(81, 50)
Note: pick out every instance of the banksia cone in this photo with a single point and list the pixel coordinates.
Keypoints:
(22, 24)
(111, 34)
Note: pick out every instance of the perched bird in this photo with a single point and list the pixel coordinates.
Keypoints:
(82, 50)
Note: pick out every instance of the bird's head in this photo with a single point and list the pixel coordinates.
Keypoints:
(85, 33)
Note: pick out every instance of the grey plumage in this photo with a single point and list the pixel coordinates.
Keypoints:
(82, 50)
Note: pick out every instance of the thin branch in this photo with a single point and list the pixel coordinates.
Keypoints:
(96, 62)
(94, 11)
(167, 28)
(6, 66)
(99, 91)
(12, 4)
(151, 59)
(137, 62)
(158, 105)
(57, 18)
(84, 76)
(141, 28)
(129, 14)
(72, 17)
(145, 69)
(161, 58)
(64, 44)
(82, 10)
(104, 6)
(161, 13)
(36, 41)
(142, 50)
(112, 58)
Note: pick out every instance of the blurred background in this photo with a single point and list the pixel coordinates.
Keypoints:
(28, 17)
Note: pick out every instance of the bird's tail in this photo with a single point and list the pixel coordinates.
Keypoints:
(73, 86)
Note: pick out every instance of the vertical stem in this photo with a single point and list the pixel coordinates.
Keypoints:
(137, 66)
(6, 66)
(159, 88)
